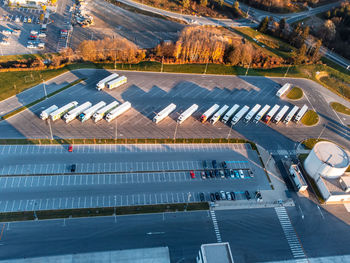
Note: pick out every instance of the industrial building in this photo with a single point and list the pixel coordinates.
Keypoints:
(31, 3)
(327, 164)
(214, 253)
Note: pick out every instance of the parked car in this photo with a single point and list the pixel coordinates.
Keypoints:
(241, 173)
(212, 174)
(4, 43)
(222, 195)
(228, 196)
(201, 197)
(70, 148)
(192, 174)
(207, 173)
(212, 197)
(25, 20)
(250, 173)
(73, 168)
(205, 165)
(233, 196)
(232, 174)
(227, 172)
(247, 195)
(258, 196)
(31, 46)
(236, 173)
(217, 196)
(224, 165)
(214, 163)
(222, 175)
(216, 173)
(203, 175)
(34, 32)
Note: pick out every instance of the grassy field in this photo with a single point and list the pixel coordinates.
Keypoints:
(295, 93)
(14, 82)
(310, 143)
(340, 108)
(310, 118)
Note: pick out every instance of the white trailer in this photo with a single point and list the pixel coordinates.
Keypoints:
(229, 114)
(252, 112)
(283, 89)
(46, 113)
(271, 113)
(291, 114)
(239, 115)
(218, 114)
(72, 114)
(187, 113)
(116, 82)
(261, 113)
(164, 113)
(206, 115)
(90, 111)
(102, 83)
(57, 114)
(118, 111)
(301, 113)
(280, 114)
(104, 111)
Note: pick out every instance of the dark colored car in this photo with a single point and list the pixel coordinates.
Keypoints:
(247, 195)
(205, 165)
(227, 172)
(224, 165)
(207, 173)
(212, 197)
(215, 165)
(201, 197)
(216, 173)
(258, 196)
(73, 168)
(233, 196)
(217, 196)
(203, 175)
(212, 174)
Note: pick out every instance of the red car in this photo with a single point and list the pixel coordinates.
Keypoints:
(70, 148)
(192, 174)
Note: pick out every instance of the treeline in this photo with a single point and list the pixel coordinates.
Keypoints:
(205, 44)
(281, 5)
(308, 50)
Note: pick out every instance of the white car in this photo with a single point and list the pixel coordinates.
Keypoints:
(31, 46)
(241, 174)
(34, 32)
(4, 43)
(42, 35)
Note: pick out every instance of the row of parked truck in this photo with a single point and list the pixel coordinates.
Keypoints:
(111, 82)
(86, 111)
(225, 113)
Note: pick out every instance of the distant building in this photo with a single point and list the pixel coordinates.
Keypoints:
(31, 3)
(215, 253)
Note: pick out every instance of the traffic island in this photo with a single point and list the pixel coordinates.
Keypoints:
(338, 107)
(101, 211)
(310, 118)
(295, 93)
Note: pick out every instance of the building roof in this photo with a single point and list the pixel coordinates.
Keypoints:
(331, 154)
(143, 255)
(333, 186)
(217, 252)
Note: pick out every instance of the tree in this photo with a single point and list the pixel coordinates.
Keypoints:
(204, 3)
(300, 56)
(263, 25)
(328, 30)
(234, 56)
(236, 10)
(42, 17)
(316, 52)
(185, 4)
(305, 33)
(221, 3)
(282, 25)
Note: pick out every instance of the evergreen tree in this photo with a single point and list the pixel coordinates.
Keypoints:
(263, 25)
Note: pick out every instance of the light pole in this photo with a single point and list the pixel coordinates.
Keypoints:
(44, 89)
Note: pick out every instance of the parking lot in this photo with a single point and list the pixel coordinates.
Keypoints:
(140, 174)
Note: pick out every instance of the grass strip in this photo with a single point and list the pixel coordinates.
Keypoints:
(310, 118)
(310, 143)
(101, 211)
(338, 107)
(295, 93)
(12, 113)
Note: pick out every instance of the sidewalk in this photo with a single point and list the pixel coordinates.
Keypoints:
(271, 198)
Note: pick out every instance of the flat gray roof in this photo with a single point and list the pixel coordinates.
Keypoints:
(332, 154)
(217, 252)
(142, 255)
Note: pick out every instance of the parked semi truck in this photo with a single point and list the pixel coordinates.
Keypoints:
(164, 113)
(280, 114)
(102, 83)
(187, 113)
(118, 111)
(301, 113)
(104, 111)
(46, 113)
(57, 114)
(252, 112)
(90, 111)
(283, 89)
(206, 115)
(218, 114)
(291, 115)
(116, 82)
(230, 113)
(261, 113)
(239, 115)
(72, 114)
(271, 113)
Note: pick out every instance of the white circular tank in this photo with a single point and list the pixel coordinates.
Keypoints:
(326, 159)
